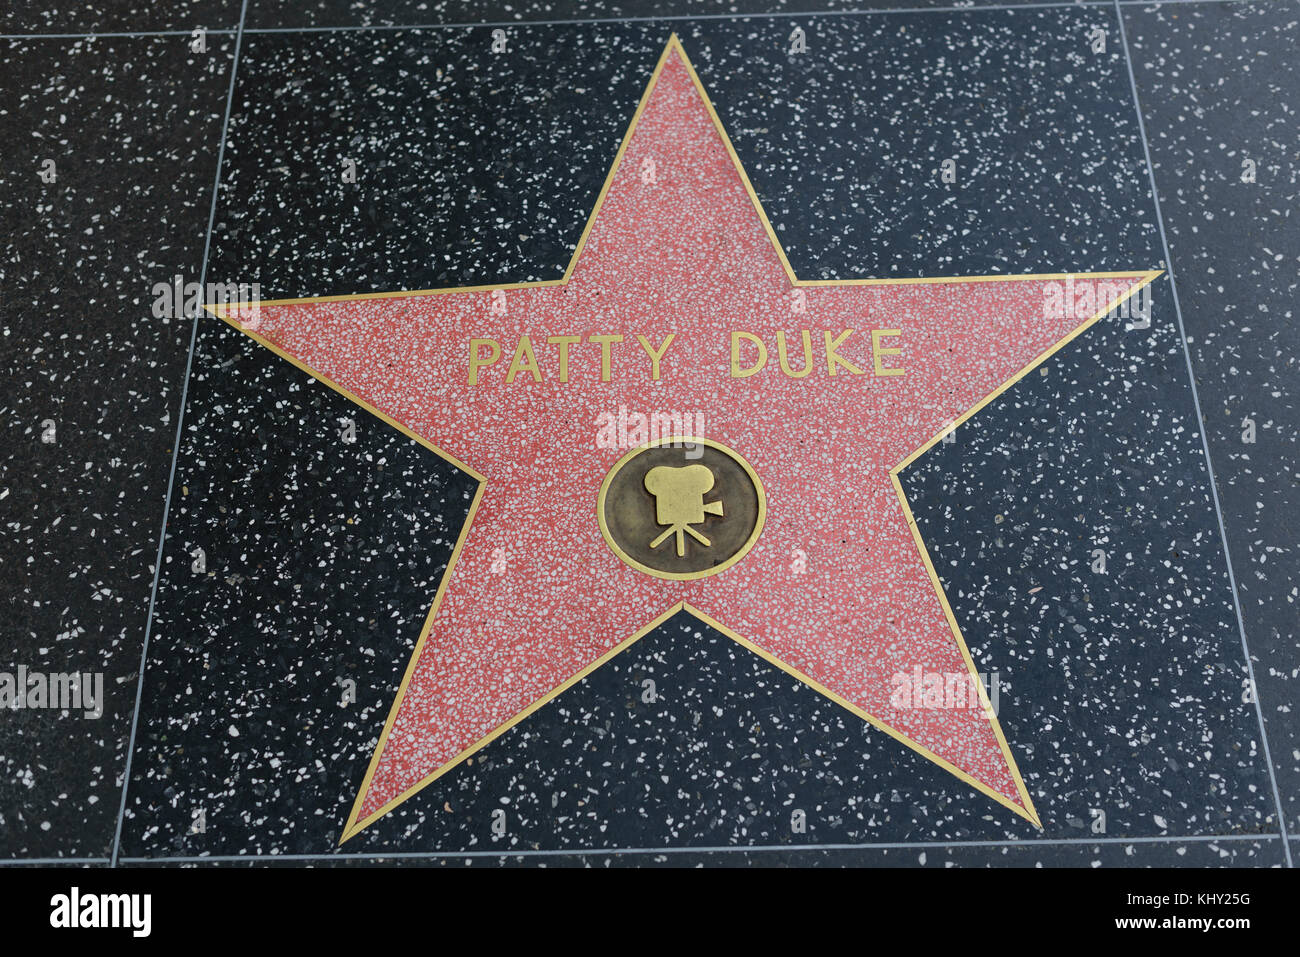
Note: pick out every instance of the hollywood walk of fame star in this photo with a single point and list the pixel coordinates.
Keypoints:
(679, 297)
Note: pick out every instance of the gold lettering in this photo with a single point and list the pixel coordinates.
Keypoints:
(877, 350)
(563, 342)
(656, 355)
(736, 371)
(525, 348)
(475, 363)
(783, 355)
(833, 358)
(604, 352)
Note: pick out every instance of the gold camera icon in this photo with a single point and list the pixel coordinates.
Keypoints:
(679, 502)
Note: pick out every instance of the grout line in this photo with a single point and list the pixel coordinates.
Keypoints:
(717, 849)
(664, 18)
(176, 450)
(20, 861)
(773, 15)
(668, 17)
(1205, 441)
(91, 35)
(590, 852)
(1161, 3)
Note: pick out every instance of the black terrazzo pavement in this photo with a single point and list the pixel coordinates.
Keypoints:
(1217, 84)
(1121, 692)
(1079, 854)
(80, 346)
(119, 16)
(786, 14)
(488, 172)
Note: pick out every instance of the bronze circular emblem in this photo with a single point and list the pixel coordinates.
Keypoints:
(681, 508)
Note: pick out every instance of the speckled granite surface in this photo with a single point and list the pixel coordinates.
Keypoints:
(1122, 691)
(1236, 249)
(82, 351)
